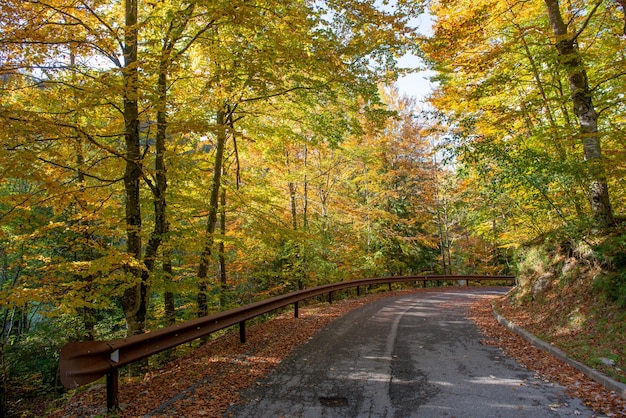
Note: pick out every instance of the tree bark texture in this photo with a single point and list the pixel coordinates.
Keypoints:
(222, 249)
(581, 95)
(135, 298)
(168, 295)
(293, 205)
(305, 193)
(205, 257)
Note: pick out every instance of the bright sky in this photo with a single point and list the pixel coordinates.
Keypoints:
(416, 84)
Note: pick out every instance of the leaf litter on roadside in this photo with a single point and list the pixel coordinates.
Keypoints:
(209, 379)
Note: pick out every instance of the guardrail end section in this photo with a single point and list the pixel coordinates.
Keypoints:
(83, 362)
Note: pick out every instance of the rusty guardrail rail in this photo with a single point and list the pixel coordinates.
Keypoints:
(84, 362)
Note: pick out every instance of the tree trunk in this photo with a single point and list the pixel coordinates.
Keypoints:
(444, 269)
(222, 249)
(567, 48)
(161, 224)
(168, 295)
(4, 383)
(205, 258)
(85, 253)
(293, 188)
(159, 189)
(495, 257)
(445, 237)
(305, 193)
(294, 207)
(135, 298)
(442, 222)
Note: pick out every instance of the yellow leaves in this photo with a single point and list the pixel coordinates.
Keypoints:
(19, 297)
(42, 258)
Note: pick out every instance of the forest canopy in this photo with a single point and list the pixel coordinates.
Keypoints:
(164, 159)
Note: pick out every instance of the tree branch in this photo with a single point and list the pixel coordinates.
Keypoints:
(75, 170)
(587, 20)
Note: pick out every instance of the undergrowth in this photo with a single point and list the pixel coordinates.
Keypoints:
(572, 293)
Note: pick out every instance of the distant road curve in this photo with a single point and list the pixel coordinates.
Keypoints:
(406, 356)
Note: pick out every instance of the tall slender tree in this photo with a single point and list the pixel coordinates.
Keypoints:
(566, 43)
(135, 300)
(528, 97)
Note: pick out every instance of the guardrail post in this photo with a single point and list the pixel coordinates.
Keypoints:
(390, 289)
(295, 310)
(113, 401)
(358, 290)
(84, 362)
(242, 332)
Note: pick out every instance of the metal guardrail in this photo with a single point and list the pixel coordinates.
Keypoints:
(84, 362)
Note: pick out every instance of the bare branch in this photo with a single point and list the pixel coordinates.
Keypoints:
(75, 170)
(587, 20)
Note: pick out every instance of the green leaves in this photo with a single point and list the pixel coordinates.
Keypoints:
(507, 98)
(301, 77)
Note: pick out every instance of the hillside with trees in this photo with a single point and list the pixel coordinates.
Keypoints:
(533, 115)
(163, 160)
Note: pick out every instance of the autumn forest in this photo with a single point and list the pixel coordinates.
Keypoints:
(166, 159)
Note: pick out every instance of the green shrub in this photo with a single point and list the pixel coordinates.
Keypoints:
(613, 285)
(613, 282)
(33, 361)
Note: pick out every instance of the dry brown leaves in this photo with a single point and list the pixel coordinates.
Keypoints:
(547, 367)
(211, 377)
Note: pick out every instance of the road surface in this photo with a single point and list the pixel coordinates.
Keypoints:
(407, 356)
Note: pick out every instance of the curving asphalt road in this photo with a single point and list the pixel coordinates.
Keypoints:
(407, 356)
